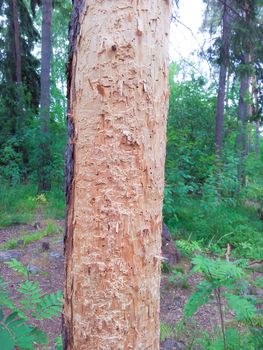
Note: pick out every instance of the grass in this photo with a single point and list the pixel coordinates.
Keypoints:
(167, 331)
(50, 229)
(20, 204)
(237, 225)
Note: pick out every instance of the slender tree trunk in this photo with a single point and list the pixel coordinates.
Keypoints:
(257, 138)
(222, 79)
(244, 108)
(46, 55)
(17, 42)
(227, 88)
(243, 113)
(118, 100)
(18, 69)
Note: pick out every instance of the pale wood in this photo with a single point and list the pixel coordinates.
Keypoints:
(118, 105)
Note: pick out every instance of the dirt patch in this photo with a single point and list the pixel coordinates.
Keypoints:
(46, 262)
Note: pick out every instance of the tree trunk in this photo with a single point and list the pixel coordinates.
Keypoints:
(243, 113)
(244, 94)
(118, 101)
(257, 136)
(44, 183)
(18, 69)
(17, 42)
(224, 63)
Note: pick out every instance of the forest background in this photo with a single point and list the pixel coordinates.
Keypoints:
(214, 159)
(214, 163)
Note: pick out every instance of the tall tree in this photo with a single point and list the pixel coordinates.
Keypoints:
(44, 180)
(245, 51)
(224, 65)
(19, 84)
(18, 67)
(118, 99)
(17, 51)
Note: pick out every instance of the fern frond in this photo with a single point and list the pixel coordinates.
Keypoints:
(244, 310)
(5, 301)
(217, 269)
(49, 306)
(32, 293)
(17, 267)
(199, 298)
(188, 247)
(14, 332)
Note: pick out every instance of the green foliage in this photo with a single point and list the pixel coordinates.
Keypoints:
(19, 204)
(224, 279)
(203, 199)
(15, 315)
(199, 298)
(244, 310)
(15, 332)
(166, 267)
(238, 225)
(18, 267)
(166, 331)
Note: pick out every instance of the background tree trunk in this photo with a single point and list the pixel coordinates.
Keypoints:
(243, 114)
(224, 63)
(118, 101)
(17, 42)
(44, 183)
(18, 69)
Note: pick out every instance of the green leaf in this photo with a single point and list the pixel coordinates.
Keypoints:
(18, 267)
(50, 306)
(11, 317)
(199, 298)
(6, 340)
(243, 309)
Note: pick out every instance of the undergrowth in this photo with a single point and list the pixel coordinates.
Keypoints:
(230, 285)
(17, 313)
(238, 225)
(24, 240)
(21, 204)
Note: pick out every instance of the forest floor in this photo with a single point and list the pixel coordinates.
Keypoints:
(44, 258)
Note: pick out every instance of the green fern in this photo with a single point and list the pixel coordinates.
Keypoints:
(17, 267)
(15, 331)
(244, 310)
(32, 294)
(199, 298)
(49, 306)
(5, 301)
(188, 247)
(217, 270)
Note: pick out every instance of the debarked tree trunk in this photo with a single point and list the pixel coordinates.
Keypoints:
(118, 101)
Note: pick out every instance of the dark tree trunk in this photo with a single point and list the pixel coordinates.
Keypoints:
(46, 55)
(17, 42)
(244, 108)
(224, 63)
(17, 70)
(243, 113)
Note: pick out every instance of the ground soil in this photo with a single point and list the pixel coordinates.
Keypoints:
(48, 266)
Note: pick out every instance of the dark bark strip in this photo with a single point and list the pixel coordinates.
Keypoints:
(74, 28)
